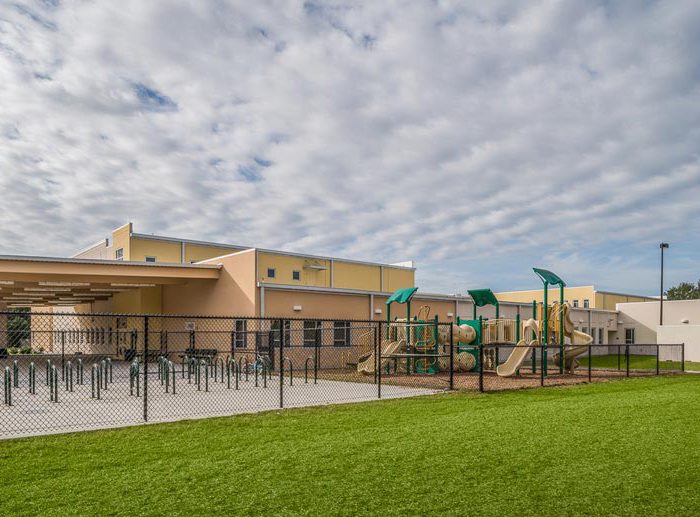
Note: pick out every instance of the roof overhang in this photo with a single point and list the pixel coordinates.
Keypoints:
(46, 281)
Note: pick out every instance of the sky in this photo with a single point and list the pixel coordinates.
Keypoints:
(478, 139)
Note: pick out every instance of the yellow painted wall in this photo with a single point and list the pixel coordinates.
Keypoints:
(396, 278)
(285, 264)
(197, 252)
(164, 251)
(570, 294)
(147, 300)
(121, 238)
(609, 301)
(348, 275)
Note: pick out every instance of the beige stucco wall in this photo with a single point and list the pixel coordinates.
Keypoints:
(234, 293)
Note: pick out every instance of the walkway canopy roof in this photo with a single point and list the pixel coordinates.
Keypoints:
(44, 281)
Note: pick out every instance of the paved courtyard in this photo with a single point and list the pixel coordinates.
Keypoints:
(35, 414)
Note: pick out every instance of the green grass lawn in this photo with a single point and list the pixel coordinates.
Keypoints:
(641, 362)
(629, 447)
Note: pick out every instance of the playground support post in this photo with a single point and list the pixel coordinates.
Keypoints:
(561, 328)
(545, 327)
(534, 337)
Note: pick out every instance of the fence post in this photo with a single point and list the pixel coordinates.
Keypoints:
(375, 342)
(590, 361)
(481, 367)
(682, 357)
(542, 360)
(627, 359)
(379, 366)
(145, 368)
(282, 362)
(619, 367)
(317, 350)
(452, 358)
(657, 359)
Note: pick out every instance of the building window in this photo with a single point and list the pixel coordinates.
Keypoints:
(119, 254)
(575, 304)
(296, 275)
(341, 333)
(586, 303)
(600, 336)
(270, 272)
(311, 329)
(150, 259)
(629, 336)
(240, 336)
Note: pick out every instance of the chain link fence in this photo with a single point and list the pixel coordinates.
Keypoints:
(67, 371)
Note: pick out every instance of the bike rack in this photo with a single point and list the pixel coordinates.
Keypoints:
(53, 385)
(32, 379)
(103, 372)
(48, 371)
(291, 371)
(306, 370)
(68, 375)
(79, 371)
(15, 373)
(218, 361)
(96, 381)
(8, 386)
(134, 377)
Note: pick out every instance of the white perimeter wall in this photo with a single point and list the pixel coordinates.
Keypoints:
(688, 334)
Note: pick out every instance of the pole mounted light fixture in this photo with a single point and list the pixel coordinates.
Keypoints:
(662, 247)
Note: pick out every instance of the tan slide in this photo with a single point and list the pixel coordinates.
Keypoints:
(579, 345)
(520, 352)
(516, 358)
(366, 365)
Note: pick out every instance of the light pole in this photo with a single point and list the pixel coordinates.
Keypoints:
(662, 246)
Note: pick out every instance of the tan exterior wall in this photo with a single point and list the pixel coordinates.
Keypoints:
(99, 251)
(348, 275)
(397, 278)
(570, 294)
(284, 265)
(609, 301)
(233, 294)
(163, 251)
(121, 238)
(198, 252)
(146, 300)
(315, 305)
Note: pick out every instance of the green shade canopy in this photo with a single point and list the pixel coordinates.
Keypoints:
(402, 295)
(549, 277)
(483, 297)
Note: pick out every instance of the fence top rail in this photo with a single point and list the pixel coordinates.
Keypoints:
(195, 317)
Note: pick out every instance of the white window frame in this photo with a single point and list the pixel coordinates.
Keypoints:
(630, 340)
(586, 303)
(119, 254)
(344, 327)
(574, 304)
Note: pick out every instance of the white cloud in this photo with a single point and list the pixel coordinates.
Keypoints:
(479, 140)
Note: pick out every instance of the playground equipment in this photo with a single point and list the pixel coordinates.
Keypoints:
(413, 344)
(549, 325)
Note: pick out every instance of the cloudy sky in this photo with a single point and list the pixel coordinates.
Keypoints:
(477, 138)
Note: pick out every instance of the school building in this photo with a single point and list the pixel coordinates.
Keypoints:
(135, 273)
